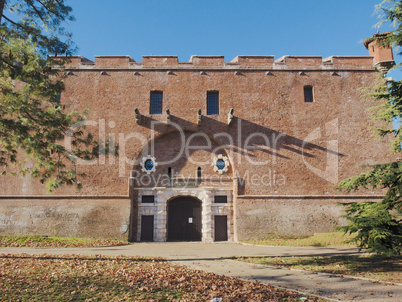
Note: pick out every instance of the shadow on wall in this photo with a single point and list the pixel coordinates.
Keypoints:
(242, 137)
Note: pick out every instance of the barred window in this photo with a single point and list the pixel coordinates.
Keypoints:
(212, 102)
(149, 164)
(220, 199)
(156, 102)
(308, 94)
(148, 199)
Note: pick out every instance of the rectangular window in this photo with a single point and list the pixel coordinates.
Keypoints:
(156, 102)
(148, 199)
(308, 94)
(212, 102)
(221, 199)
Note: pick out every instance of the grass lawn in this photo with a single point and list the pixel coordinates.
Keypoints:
(80, 278)
(319, 239)
(367, 266)
(42, 241)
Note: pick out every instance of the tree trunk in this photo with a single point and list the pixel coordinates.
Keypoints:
(2, 3)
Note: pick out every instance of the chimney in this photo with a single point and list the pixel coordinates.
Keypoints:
(382, 54)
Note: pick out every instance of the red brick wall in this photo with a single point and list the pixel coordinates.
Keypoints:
(272, 105)
(271, 124)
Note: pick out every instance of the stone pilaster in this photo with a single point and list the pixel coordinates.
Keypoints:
(161, 216)
(207, 234)
(234, 208)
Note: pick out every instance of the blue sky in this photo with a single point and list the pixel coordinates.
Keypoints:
(222, 27)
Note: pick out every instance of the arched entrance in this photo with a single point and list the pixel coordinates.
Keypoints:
(184, 219)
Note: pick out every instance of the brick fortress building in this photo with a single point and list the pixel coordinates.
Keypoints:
(210, 150)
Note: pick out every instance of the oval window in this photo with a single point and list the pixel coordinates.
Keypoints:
(149, 164)
(220, 164)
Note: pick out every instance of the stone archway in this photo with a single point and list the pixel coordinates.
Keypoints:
(184, 220)
(163, 197)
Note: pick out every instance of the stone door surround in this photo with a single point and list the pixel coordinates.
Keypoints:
(209, 209)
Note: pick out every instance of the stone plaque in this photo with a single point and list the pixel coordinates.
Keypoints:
(185, 183)
(124, 228)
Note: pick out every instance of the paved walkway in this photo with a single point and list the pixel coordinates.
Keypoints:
(216, 258)
(188, 250)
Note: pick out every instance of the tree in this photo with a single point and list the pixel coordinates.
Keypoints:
(32, 121)
(378, 225)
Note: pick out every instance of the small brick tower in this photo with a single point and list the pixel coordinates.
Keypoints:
(383, 57)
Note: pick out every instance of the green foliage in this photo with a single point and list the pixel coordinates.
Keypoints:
(33, 122)
(390, 11)
(388, 96)
(378, 225)
(377, 229)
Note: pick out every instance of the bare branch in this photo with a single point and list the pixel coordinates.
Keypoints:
(8, 63)
(11, 21)
(36, 10)
(50, 10)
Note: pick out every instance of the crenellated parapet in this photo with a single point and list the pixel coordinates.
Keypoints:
(380, 58)
(157, 61)
(253, 61)
(213, 61)
(299, 62)
(153, 62)
(347, 62)
(113, 61)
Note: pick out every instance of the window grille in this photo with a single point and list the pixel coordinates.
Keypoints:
(308, 94)
(220, 164)
(156, 102)
(149, 164)
(212, 102)
(220, 199)
(148, 199)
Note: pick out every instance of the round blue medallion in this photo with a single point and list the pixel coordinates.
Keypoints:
(220, 164)
(149, 164)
